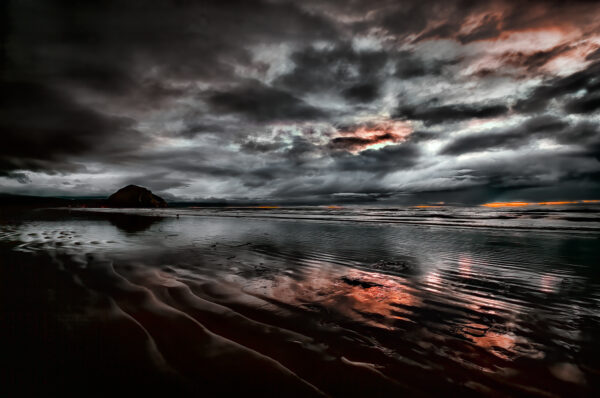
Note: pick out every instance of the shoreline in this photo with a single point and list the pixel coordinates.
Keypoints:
(141, 212)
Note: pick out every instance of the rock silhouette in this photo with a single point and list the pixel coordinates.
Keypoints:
(134, 196)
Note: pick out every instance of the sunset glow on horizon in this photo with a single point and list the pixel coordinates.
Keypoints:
(553, 203)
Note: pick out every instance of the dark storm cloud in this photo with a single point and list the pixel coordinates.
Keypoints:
(21, 178)
(408, 65)
(254, 146)
(582, 133)
(529, 176)
(365, 92)
(106, 42)
(285, 99)
(584, 137)
(356, 74)
(202, 162)
(194, 128)
(285, 167)
(586, 104)
(542, 126)
(297, 164)
(593, 56)
(341, 67)
(353, 142)
(41, 128)
(379, 161)
(301, 151)
(109, 48)
(431, 114)
(263, 103)
(315, 185)
(533, 61)
(530, 171)
(556, 88)
(194, 161)
(421, 136)
(405, 17)
(480, 142)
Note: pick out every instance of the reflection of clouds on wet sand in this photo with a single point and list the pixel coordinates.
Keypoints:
(388, 302)
(549, 283)
(457, 301)
(366, 297)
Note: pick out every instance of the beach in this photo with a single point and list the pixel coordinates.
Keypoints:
(301, 302)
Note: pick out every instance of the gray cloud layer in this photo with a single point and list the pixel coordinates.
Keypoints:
(302, 102)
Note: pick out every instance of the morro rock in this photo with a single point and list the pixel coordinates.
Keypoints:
(134, 196)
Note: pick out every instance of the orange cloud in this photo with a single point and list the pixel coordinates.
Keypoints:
(358, 138)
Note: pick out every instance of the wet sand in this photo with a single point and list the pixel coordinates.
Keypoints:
(100, 304)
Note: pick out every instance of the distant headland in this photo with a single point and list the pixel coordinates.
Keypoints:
(135, 196)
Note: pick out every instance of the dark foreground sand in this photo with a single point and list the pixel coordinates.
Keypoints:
(97, 305)
(97, 327)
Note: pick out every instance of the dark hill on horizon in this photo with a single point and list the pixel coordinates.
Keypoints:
(135, 196)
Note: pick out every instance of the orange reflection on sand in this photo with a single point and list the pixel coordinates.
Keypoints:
(357, 295)
(433, 281)
(549, 283)
(484, 337)
(464, 266)
(377, 300)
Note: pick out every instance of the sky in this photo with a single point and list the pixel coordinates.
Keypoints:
(302, 102)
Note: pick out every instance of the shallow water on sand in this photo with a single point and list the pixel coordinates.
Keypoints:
(233, 303)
